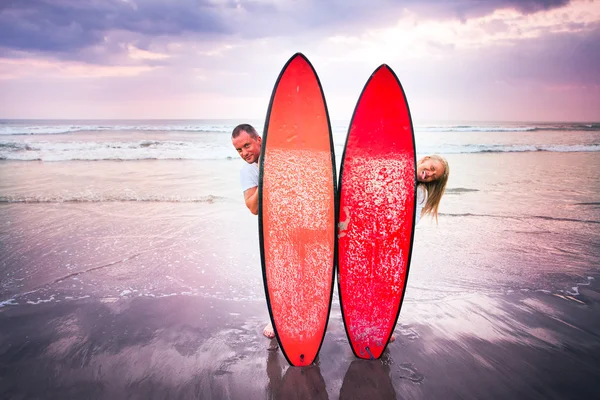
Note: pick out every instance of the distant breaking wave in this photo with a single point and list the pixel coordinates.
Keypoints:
(66, 129)
(460, 190)
(99, 198)
(196, 150)
(509, 128)
(8, 128)
(116, 151)
(515, 148)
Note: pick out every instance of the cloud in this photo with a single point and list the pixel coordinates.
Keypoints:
(464, 9)
(72, 25)
(308, 17)
(69, 26)
(30, 68)
(140, 59)
(560, 59)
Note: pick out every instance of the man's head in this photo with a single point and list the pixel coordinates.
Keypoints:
(247, 142)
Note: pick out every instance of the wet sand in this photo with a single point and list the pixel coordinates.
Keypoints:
(142, 281)
(532, 345)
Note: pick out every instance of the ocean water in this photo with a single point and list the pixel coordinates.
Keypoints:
(113, 209)
(207, 140)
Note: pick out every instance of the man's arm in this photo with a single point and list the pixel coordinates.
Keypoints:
(251, 198)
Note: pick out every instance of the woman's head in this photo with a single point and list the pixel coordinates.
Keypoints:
(432, 168)
(432, 173)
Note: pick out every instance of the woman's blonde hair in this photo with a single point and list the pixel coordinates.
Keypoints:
(435, 189)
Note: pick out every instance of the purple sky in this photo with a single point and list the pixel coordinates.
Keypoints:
(495, 60)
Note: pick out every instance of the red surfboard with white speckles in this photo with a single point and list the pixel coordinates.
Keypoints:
(376, 213)
(297, 211)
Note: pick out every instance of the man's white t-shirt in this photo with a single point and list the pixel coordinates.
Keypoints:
(249, 176)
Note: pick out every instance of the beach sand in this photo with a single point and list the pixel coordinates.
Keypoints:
(517, 346)
(160, 295)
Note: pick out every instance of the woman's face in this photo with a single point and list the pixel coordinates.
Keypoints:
(429, 170)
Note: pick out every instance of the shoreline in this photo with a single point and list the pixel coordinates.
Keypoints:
(532, 345)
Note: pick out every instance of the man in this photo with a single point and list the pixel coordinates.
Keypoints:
(247, 142)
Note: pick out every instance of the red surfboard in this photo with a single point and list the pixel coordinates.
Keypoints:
(297, 211)
(376, 213)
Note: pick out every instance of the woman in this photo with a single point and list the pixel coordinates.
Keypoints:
(432, 176)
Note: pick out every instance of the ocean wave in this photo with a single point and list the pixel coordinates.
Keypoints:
(521, 217)
(509, 128)
(100, 198)
(460, 190)
(508, 148)
(13, 146)
(474, 128)
(116, 151)
(67, 129)
(8, 127)
(585, 221)
(205, 150)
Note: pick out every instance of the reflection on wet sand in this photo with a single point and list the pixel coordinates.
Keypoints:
(368, 379)
(190, 347)
(296, 383)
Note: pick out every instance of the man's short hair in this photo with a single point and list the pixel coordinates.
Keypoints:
(249, 129)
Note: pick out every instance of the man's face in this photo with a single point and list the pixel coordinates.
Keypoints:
(247, 147)
(429, 170)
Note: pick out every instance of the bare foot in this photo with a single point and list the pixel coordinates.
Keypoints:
(393, 338)
(268, 331)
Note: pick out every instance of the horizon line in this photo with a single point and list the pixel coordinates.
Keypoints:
(336, 120)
